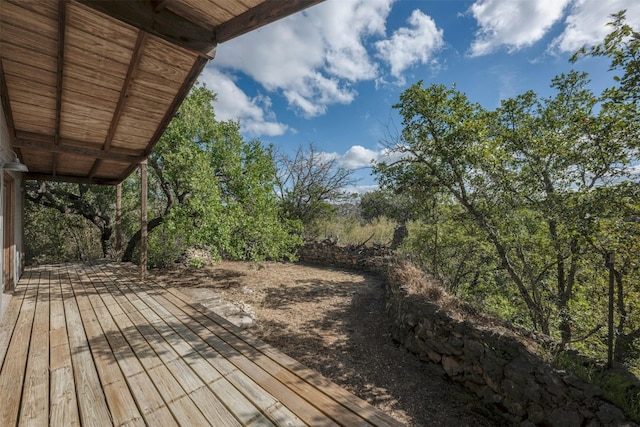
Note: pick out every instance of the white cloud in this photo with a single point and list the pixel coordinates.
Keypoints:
(514, 24)
(311, 58)
(255, 114)
(358, 157)
(411, 45)
(362, 189)
(586, 23)
(392, 155)
(347, 23)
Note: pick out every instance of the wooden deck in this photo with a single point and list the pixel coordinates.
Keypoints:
(92, 345)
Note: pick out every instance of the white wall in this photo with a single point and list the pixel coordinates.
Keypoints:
(4, 143)
(18, 203)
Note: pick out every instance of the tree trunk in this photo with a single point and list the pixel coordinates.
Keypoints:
(105, 237)
(127, 256)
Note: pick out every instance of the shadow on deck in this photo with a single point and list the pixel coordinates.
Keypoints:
(92, 345)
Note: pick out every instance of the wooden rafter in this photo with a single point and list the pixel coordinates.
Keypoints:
(264, 13)
(69, 178)
(45, 143)
(62, 24)
(124, 95)
(195, 71)
(69, 70)
(153, 18)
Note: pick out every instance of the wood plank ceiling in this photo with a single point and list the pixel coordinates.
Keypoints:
(89, 86)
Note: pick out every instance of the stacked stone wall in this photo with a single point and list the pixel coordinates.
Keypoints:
(355, 257)
(500, 365)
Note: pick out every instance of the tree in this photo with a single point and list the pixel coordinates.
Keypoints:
(310, 183)
(383, 202)
(617, 233)
(517, 172)
(622, 47)
(208, 188)
(212, 189)
(51, 236)
(92, 203)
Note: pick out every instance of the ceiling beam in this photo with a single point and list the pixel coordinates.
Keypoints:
(67, 146)
(68, 178)
(150, 16)
(195, 71)
(62, 24)
(124, 95)
(262, 14)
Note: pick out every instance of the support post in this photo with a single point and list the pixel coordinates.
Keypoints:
(143, 220)
(611, 265)
(118, 221)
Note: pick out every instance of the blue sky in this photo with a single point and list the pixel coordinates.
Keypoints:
(330, 75)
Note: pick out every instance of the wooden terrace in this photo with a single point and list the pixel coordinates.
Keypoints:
(92, 345)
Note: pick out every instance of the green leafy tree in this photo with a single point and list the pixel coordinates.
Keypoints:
(516, 172)
(622, 47)
(617, 232)
(208, 188)
(385, 203)
(211, 189)
(52, 236)
(93, 203)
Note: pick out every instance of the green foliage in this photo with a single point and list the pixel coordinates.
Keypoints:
(523, 201)
(385, 203)
(622, 47)
(165, 247)
(352, 231)
(453, 250)
(217, 190)
(618, 386)
(52, 237)
(66, 221)
(208, 188)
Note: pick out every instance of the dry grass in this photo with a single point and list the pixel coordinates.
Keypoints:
(350, 232)
(414, 281)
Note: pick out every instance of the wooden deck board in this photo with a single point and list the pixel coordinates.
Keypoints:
(35, 393)
(14, 364)
(92, 345)
(62, 392)
(92, 405)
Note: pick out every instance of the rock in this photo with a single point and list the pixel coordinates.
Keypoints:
(473, 349)
(565, 418)
(514, 408)
(451, 365)
(433, 356)
(475, 387)
(510, 388)
(535, 413)
(555, 386)
(489, 396)
(609, 415)
(591, 391)
(533, 393)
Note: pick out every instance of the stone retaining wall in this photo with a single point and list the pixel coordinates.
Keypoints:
(352, 257)
(498, 364)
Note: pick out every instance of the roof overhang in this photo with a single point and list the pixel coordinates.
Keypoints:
(89, 86)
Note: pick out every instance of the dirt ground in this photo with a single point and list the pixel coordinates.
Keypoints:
(334, 321)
